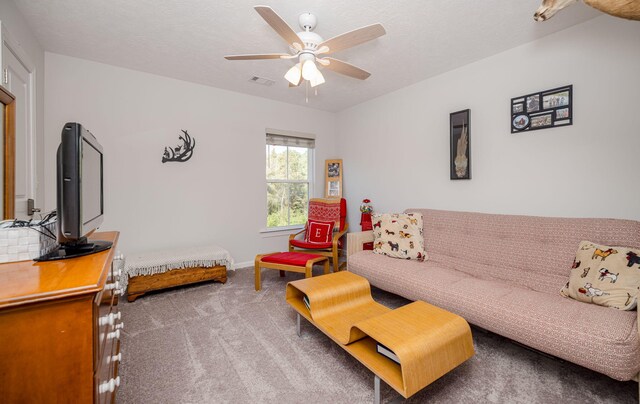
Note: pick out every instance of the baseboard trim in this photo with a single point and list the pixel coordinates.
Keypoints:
(240, 265)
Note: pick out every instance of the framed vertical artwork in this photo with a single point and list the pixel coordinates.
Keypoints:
(333, 179)
(460, 150)
(542, 110)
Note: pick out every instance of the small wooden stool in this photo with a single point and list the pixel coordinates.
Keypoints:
(289, 261)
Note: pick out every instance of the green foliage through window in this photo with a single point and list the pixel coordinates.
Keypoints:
(287, 185)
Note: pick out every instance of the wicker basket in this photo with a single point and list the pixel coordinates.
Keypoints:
(26, 243)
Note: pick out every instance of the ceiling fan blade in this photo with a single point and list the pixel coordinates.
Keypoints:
(280, 26)
(345, 68)
(353, 38)
(255, 57)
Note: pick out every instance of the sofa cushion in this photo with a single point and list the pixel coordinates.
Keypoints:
(606, 276)
(398, 235)
(290, 258)
(318, 231)
(529, 251)
(593, 336)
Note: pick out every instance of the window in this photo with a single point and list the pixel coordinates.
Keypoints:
(288, 172)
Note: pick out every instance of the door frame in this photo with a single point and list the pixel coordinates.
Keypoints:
(15, 48)
(9, 151)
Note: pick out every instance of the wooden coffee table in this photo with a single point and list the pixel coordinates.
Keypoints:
(428, 341)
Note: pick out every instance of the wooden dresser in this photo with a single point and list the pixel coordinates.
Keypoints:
(60, 329)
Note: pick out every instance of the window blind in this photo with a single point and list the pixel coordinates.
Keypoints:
(291, 141)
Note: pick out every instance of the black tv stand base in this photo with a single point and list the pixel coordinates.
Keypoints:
(65, 251)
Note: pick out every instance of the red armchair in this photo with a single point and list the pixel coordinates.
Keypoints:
(324, 210)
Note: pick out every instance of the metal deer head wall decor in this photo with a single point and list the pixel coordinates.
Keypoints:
(182, 152)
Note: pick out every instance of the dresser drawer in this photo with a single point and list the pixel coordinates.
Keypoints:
(115, 364)
(109, 318)
(109, 332)
(109, 328)
(106, 378)
(105, 318)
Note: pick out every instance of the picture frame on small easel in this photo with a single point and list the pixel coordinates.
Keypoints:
(333, 178)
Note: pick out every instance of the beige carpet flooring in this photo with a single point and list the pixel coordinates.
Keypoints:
(216, 343)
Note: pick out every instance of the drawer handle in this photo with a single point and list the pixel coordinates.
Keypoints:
(109, 386)
(120, 325)
(115, 358)
(114, 334)
(109, 319)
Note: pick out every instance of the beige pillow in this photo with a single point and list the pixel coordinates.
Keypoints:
(398, 235)
(606, 276)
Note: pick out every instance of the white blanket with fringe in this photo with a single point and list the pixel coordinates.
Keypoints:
(157, 262)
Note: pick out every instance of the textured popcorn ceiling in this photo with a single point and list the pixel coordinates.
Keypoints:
(187, 39)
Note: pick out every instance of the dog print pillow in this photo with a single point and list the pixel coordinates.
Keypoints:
(606, 276)
(398, 235)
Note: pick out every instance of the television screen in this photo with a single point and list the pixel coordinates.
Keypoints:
(80, 206)
(91, 179)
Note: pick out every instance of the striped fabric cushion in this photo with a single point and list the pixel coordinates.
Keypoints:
(325, 210)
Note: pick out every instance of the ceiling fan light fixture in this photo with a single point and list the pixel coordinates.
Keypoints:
(317, 80)
(307, 45)
(294, 75)
(309, 70)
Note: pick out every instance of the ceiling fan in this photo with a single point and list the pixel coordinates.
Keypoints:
(307, 47)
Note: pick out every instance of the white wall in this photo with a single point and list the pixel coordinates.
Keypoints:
(216, 197)
(396, 147)
(19, 36)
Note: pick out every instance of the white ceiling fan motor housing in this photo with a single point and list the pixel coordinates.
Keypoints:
(308, 22)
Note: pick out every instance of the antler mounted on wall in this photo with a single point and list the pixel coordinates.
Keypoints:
(629, 9)
(180, 153)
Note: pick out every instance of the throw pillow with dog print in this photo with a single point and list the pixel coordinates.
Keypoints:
(398, 235)
(606, 276)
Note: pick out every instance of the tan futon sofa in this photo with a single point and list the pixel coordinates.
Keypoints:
(503, 273)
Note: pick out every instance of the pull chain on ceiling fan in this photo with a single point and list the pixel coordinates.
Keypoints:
(307, 46)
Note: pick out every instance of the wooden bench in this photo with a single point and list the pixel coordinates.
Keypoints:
(164, 269)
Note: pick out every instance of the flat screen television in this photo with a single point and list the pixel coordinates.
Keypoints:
(80, 197)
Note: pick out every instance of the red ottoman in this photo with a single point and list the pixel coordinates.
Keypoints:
(289, 261)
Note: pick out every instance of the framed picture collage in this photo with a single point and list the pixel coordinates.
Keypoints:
(542, 110)
(333, 178)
